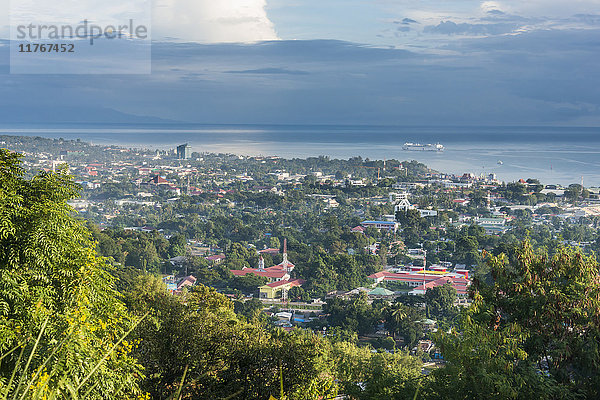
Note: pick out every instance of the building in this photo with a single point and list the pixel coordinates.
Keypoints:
(176, 286)
(401, 203)
(188, 281)
(285, 264)
(428, 213)
(269, 251)
(355, 183)
(273, 274)
(492, 226)
(379, 225)
(380, 292)
(276, 273)
(278, 289)
(422, 280)
(460, 284)
(184, 152)
(158, 181)
(215, 259)
(398, 197)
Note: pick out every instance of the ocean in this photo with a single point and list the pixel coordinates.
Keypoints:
(554, 155)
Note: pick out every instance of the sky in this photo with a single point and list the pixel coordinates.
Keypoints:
(382, 62)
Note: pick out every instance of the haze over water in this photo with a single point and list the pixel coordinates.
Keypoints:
(553, 155)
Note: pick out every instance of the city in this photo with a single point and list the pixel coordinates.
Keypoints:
(334, 247)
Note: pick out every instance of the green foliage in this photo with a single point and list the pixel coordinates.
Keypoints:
(531, 333)
(297, 293)
(248, 283)
(224, 355)
(440, 301)
(366, 375)
(403, 320)
(177, 245)
(354, 315)
(54, 288)
(250, 309)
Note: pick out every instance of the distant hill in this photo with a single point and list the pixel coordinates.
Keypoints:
(58, 115)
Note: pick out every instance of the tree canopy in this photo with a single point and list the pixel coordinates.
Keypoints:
(58, 306)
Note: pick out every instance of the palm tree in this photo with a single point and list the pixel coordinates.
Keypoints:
(398, 314)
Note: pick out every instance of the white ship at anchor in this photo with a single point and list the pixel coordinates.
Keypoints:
(423, 147)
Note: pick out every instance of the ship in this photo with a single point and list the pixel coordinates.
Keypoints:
(423, 147)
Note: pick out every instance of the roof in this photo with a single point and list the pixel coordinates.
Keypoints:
(282, 265)
(379, 291)
(456, 279)
(460, 284)
(269, 251)
(292, 283)
(158, 180)
(187, 281)
(267, 274)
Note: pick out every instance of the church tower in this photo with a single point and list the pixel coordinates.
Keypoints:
(285, 261)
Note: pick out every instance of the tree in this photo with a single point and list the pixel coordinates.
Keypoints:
(274, 243)
(177, 245)
(397, 313)
(440, 301)
(366, 375)
(223, 356)
(467, 250)
(248, 283)
(533, 332)
(249, 309)
(355, 315)
(298, 294)
(402, 320)
(53, 287)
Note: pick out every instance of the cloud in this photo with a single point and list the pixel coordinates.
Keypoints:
(404, 24)
(204, 21)
(213, 21)
(491, 7)
(452, 28)
(407, 21)
(269, 71)
(506, 79)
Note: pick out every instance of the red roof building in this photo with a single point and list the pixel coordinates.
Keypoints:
(188, 281)
(421, 281)
(158, 180)
(279, 272)
(273, 276)
(269, 251)
(460, 284)
(292, 283)
(216, 258)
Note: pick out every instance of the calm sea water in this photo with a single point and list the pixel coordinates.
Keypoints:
(553, 155)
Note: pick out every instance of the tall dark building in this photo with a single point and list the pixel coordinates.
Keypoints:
(184, 152)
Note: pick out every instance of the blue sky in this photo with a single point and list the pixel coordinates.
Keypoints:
(423, 22)
(353, 61)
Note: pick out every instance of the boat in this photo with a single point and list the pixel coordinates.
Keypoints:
(500, 162)
(423, 147)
